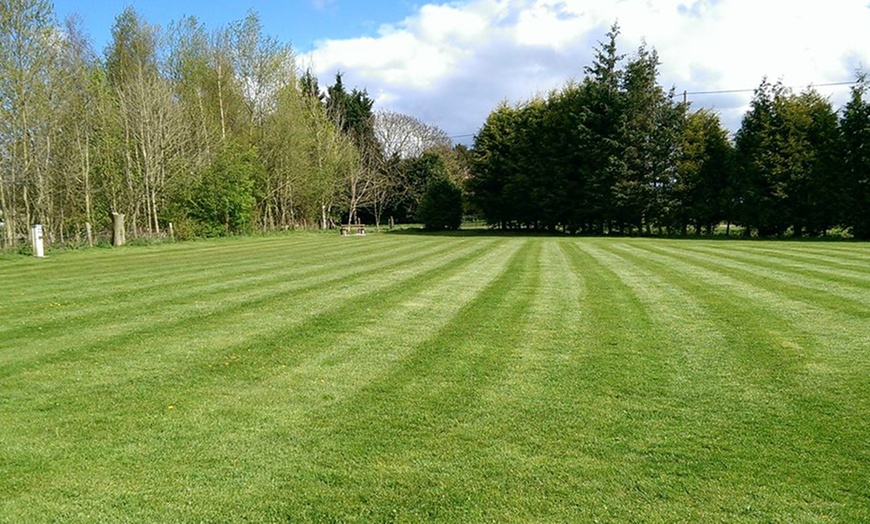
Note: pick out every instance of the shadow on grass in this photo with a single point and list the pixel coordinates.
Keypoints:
(474, 232)
(522, 233)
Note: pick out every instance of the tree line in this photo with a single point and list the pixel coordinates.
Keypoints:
(213, 132)
(616, 153)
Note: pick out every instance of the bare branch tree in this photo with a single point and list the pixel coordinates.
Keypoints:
(405, 136)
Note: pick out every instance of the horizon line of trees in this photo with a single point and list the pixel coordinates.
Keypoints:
(216, 132)
(616, 153)
(208, 133)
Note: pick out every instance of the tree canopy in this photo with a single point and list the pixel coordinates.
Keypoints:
(616, 153)
(219, 132)
(214, 131)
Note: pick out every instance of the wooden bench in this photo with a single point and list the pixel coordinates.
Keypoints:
(345, 229)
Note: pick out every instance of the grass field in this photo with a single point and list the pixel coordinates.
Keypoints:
(404, 378)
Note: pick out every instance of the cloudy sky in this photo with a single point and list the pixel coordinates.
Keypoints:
(450, 63)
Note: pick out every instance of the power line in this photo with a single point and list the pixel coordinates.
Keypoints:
(730, 91)
(722, 92)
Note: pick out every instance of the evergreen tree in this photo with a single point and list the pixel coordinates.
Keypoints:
(855, 126)
(494, 164)
(702, 193)
(756, 148)
(599, 138)
(310, 88)
(815, 188)
(441, 206)
(787, 165)
(352, 114)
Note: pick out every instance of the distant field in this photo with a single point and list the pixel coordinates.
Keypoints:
(404, 378)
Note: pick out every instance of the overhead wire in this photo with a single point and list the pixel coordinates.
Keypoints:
(721, 92)
(730, 91)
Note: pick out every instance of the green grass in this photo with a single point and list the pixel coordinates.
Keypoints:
(406, 378)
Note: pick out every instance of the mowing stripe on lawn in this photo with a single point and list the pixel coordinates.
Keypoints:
(130, 294)
(292, 402)
(679, 434)
(440, 379)
(646, 431)
(157, 275)
(824, 350)
(799, 328)
(418, 412)
(855, 261)
(769, 380)
(210, 306)
(137, 276)
(856, 252)
(818, 270)
(818, 343)
(818, 292)
(256, 307)
(250, 353)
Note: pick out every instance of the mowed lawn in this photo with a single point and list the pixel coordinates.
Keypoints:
(407, 378)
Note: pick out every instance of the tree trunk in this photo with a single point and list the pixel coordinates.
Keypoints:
(118, 233)
(7, 218)
(221, 102)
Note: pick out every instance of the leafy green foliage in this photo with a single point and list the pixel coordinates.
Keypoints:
(26, 78)
(223, 202)
(132, 52)
(617, 153)
(138, 130)
(702, 193)
(855, 126)
(351, 111)
(441, 206)
(787, 163)
(596, 156)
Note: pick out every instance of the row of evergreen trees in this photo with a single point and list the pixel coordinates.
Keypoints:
(617, 153)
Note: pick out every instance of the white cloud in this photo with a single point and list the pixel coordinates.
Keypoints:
(320, 5)
(450, 64)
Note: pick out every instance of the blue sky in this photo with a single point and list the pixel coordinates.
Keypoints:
(299, 22)
(451, 63)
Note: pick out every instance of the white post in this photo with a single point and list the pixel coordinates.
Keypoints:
(36, 235)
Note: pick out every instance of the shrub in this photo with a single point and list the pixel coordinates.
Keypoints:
(223, 202)
(441, 206)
